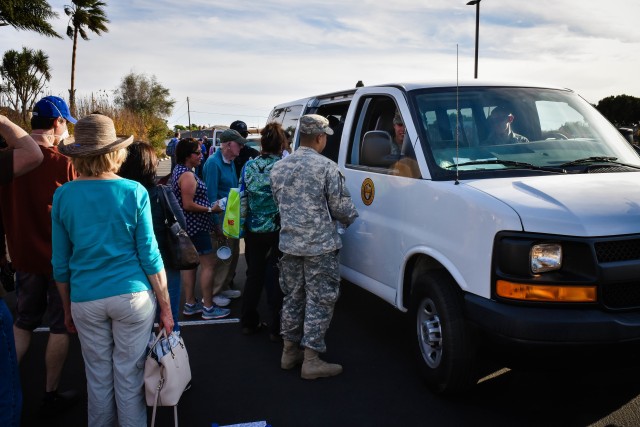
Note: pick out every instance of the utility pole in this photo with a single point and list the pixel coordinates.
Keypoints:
(477, 5)
(189, 114)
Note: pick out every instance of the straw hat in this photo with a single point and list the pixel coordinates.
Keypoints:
(93, 135)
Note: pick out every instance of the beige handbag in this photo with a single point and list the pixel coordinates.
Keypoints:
(166, 372)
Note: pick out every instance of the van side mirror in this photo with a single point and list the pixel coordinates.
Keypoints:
(376, 149)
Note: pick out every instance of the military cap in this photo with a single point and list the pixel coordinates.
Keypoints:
(313, 124)
(397, 119)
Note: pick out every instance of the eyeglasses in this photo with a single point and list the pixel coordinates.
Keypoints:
(196, 152)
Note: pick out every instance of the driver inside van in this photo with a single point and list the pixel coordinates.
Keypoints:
(398, 133)
(500, 132)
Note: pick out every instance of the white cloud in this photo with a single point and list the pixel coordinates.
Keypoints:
(238, 59)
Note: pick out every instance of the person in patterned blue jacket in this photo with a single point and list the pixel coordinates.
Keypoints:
(261, 235)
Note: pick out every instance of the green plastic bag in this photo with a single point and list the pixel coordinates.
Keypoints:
(235, 214)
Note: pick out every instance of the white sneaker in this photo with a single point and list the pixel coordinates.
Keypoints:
(231, 293)
(221, 301)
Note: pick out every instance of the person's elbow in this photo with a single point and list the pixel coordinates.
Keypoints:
(35, 160)
(23, 163)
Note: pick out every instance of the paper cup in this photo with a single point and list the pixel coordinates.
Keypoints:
(224, 253)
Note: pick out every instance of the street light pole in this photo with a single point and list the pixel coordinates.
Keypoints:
(477, 3)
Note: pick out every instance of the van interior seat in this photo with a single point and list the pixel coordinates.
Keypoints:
(385, 123)
(376, 149)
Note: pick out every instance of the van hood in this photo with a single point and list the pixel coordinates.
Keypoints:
(587, 205)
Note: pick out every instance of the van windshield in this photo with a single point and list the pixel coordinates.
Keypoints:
(510, 128)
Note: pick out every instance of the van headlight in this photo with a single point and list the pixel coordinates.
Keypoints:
(545, 257)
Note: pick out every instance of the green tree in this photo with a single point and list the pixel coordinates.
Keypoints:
(148, 100)
(31, 15)
(24, 75)
(144, 95)
(621, 110)
(83, 15)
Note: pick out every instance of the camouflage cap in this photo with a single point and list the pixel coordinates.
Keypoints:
(397, 119)
(232, 135)
(313, 124)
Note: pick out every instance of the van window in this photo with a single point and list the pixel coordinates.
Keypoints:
(479, 131)
(287, 116)
(378, 144)
(335, 113)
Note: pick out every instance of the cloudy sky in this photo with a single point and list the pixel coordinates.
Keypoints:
(237, 59)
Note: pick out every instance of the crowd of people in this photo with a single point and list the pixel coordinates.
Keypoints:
(90, 250)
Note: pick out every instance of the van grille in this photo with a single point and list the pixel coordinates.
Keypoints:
(618, 250)
(621, 295)
(616, 295)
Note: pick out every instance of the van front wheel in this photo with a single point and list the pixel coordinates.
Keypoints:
(445, 347)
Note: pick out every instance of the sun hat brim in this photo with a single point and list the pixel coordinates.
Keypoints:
(69, 148)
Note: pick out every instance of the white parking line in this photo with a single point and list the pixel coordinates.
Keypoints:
(182, 324)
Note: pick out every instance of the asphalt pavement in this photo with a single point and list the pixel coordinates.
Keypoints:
(238, 379)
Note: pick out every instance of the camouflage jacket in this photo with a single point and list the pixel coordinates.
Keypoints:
(311, 195)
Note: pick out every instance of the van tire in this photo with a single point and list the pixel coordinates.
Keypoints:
(444, 343)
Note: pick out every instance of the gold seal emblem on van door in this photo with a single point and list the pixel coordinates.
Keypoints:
(367, 191)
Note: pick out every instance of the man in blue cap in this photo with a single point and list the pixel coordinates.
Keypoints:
(26, 203)
(49, 117)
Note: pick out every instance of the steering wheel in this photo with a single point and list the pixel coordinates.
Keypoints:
(555, 135)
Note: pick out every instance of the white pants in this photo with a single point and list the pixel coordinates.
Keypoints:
(114, 333)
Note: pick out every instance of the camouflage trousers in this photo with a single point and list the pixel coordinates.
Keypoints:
(311, 286)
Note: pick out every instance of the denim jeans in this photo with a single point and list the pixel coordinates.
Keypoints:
(173, 286)
(10, 391)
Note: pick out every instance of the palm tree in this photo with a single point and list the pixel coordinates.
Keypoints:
(83, 15)
(29, 15)
(25, 74)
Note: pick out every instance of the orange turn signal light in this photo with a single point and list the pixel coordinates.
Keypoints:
(549, 293)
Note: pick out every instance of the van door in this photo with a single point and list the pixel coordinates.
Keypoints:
(374, 246)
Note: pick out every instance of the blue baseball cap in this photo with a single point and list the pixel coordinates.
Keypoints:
(52, 106)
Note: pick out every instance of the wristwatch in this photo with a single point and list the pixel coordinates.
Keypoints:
(209, 209)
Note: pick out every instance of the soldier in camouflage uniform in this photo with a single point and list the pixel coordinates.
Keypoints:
(312, 198)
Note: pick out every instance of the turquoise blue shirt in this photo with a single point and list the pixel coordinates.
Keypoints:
(102, 238)
(220, 177)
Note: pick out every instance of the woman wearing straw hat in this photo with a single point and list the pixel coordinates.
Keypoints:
(107, 267)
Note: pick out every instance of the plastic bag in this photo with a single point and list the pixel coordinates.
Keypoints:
(235, 214)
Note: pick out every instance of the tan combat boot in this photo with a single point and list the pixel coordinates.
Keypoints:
(313, 367)
(292, 355)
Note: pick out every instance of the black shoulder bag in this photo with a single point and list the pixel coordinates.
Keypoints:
(184, 255)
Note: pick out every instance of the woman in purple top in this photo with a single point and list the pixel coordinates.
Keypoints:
(191, 193)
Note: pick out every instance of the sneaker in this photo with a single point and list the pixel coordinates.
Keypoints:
(54, 402)
(249, 330)
(221, 301)
(231, 293)
(214, 312)
(191, 309)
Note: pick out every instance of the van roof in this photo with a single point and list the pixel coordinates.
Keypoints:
(409, 86)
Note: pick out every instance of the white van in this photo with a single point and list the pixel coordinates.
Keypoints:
(523, 228)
